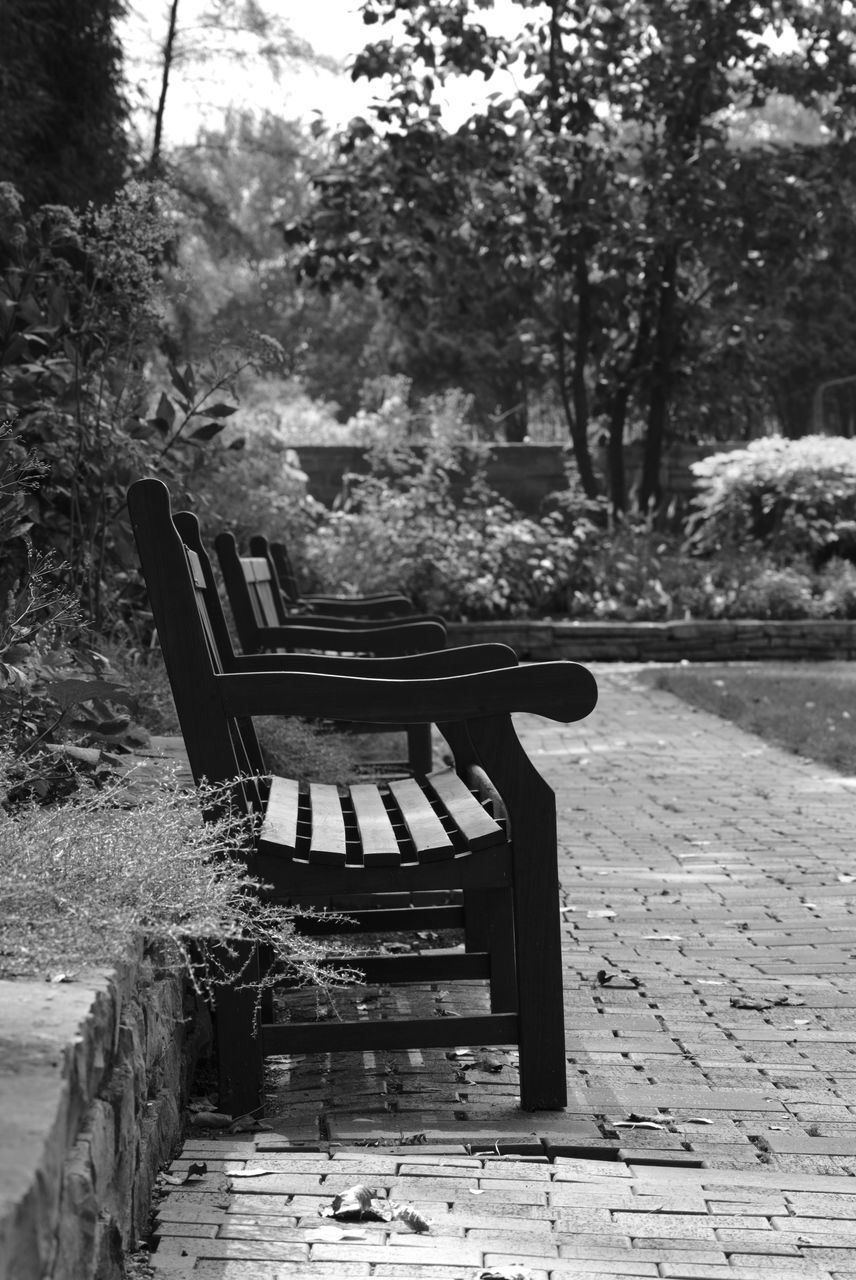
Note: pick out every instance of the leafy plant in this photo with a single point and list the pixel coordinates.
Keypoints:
(425, 522)
(793, 497)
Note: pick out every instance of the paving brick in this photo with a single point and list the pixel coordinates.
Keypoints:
(709, 849)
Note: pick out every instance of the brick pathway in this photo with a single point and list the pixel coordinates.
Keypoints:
(709, 888)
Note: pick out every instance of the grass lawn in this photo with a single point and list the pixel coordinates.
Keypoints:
(807, 708)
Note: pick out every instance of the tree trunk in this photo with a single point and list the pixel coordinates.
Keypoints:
(650, 491)
(615, 451)
(154, 166)
(578, 430)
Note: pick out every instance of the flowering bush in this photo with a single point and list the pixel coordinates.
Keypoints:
(424, 522)
(792, 496)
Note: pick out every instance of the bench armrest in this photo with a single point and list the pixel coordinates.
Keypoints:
(400, 638)
(358, 606)
(349, 622)
(563, 691)
(439, 662)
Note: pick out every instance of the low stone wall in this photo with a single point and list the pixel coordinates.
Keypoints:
(525, 474)
(666, 641)
(93, 1077)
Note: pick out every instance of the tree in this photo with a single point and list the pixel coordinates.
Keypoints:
(618, 181)
(62, 101)
(230, 33)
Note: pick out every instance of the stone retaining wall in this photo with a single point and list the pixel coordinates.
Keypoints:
(523, 473)
(701, 641)
(93, 1078)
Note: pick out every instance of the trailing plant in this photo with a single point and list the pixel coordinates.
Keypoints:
(83, 882)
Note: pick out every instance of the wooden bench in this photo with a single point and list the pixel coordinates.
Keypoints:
(263, 625)
(485, 829)
(294, 601)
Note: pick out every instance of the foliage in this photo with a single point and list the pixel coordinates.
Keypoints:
(84, 881)
(601, 202)
(62, 102)
(424, 521)
(83, 309)
(265, 468)
(791, 496)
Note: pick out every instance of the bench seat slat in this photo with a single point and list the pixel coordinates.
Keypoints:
(379, 841)
(424, 827)
(327, 844)
(475, 825)
(279, 827)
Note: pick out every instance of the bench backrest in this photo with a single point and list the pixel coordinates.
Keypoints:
(276, 554)
(252, 590)
(195, 645)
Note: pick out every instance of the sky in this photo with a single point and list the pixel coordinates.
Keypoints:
(198, 94)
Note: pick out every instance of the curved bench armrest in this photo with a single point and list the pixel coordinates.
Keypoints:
(393, 640)
(439, 662)
(348, 622)
(563, 691)
(391, 606)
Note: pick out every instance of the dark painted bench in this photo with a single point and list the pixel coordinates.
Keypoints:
(293, 600)
(263, 624)
(484, 830)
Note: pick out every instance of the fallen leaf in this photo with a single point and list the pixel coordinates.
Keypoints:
(606, 979)
(211, 1120)
(697, 1120)
(201, 1104)
(196, 1170)
(746, 1002)
(355, 1202)
(490, 1063)
(248, 1124)
(411, 1218)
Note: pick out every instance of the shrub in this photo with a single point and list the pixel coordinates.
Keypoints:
(259, 489)
(791, 496)
(425, 523)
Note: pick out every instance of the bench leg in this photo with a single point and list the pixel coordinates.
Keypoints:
(489, 926)
(503, 967)
(543, 1069)
(240, 1058)
(419, 749)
